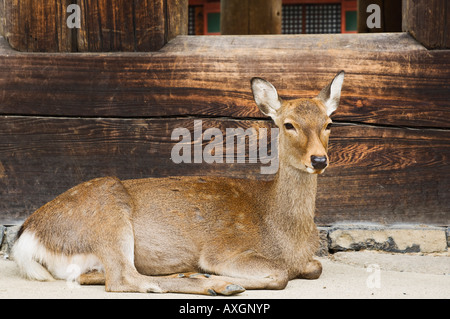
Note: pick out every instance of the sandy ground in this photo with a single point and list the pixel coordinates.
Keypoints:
(345, 275)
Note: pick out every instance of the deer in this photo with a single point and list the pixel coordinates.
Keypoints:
(193, 234)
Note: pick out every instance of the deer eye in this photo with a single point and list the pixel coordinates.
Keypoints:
(289, 126)
(329, 126)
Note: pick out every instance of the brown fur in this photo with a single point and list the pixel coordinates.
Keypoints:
(248, 234)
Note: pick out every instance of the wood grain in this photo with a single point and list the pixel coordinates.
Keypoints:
(67, 118)
(106, 25)
(383, 175)
(37, 26)
(428, 22)
(177, 18)
(390, 79)
(250, 17)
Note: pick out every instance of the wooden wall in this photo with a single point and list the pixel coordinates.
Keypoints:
(106, 25)
(428, 21)
(67, 118)
(250, 17)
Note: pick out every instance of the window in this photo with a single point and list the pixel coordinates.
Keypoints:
(213, 20)
(349, 17)
(298, 16)
(292, 19)
(204, 17)
(311, 18)
(192, 18)
(351, 21)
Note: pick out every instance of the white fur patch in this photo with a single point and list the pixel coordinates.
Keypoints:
(38, 263)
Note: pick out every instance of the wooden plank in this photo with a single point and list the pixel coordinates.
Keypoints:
(2, 17)
(390, 80)
(177, 16)
(383, 175)
(149, 20)
(387, 175)
(107, 26)
(25, 31)
(119, 26)
(250, 17)
(428, 22)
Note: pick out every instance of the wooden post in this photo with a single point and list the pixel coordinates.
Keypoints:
(250, 17)
(428, 21)
(106, 25)
(177, 18)
(390, 16)
(27, 26)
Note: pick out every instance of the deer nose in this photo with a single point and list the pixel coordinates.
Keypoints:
(319, 162)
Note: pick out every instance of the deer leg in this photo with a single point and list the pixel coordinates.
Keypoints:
(122, 276)
(117, 257)
(92, 278)
(251, 271)
(211, 287)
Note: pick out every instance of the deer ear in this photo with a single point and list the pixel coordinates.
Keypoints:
(331, 94)
(266, 97)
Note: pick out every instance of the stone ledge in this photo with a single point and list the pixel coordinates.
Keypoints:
(7, 239)
(397, 238)
(2, 231)
(448, 236)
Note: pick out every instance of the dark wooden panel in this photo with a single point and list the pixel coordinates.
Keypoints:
(250, 17)
(106, 25)
(37, 26)
(177, 18)
(428, 21)
(149, 23)
(383, 175)
(387, 175)
(390, 79)
(121, 25)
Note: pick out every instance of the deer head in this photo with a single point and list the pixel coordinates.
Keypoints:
(304, 123)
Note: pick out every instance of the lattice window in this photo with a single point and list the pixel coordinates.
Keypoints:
(323, 18)
(292, 19)
(191, 25)
(311, 18)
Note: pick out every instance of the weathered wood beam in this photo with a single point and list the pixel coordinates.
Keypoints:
(382, 175)
(239, 17)
(391, 80)
(106, 25)
(27, 26)
(129, 103)
(428, 21)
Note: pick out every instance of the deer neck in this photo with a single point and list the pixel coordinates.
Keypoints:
(293, 198)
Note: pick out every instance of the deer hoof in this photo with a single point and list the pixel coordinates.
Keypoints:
(232, 290)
